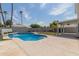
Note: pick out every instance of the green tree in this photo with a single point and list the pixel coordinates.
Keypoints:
(8, 23)
(54, 25)
(35, 26)
(1, 24)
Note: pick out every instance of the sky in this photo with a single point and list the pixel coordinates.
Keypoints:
(40, 13)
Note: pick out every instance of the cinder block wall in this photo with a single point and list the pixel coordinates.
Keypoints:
(20, 29)
(24, 29)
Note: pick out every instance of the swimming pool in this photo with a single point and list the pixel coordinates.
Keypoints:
(27, 36)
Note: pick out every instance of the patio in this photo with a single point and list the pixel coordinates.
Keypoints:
(50, 46)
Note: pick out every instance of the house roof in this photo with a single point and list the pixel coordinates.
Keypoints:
(18, 25)
(73, 21)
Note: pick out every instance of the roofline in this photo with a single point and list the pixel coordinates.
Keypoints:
(68, 21)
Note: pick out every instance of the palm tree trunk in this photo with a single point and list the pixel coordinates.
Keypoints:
(21, 12)
(11, 14)
(2, 14)
(5, 12)
(21, 20)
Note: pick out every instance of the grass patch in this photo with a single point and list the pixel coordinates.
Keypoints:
(47, 33)
(3, 39)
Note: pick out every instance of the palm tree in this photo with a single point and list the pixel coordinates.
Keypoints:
(21, 12)
(11, 14)
(2, 14)
(5, 13)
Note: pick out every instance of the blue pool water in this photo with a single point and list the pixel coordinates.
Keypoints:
(27, 36)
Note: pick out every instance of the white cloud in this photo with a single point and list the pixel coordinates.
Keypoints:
(42, 5)
(16, 17)
(60, 9)
(41, 23)
(71, 17)
(15, 14)
(15, 20)
(31, 5)
(26, 14)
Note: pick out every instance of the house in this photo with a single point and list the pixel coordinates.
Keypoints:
(19, 28)
(69, 26)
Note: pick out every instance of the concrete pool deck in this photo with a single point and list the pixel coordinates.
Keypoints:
(50, 46)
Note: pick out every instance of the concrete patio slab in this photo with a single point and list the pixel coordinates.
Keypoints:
(9, 48)
(50, 46)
